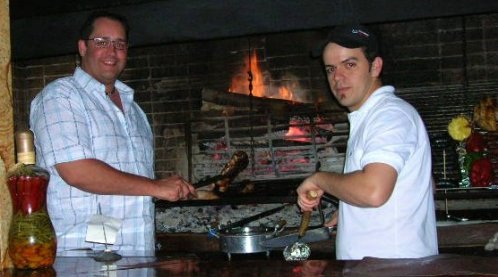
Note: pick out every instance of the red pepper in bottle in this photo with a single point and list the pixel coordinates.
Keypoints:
(32, 238)
(481, 172)
(28, 193)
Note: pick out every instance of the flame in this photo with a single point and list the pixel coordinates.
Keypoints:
(285, 93)
(240, 82)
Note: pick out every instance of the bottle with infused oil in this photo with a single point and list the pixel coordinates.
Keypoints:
(32, 239)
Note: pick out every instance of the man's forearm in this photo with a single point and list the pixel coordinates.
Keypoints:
(370, 187)
(98, 177)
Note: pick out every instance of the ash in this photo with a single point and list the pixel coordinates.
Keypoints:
(198, 219)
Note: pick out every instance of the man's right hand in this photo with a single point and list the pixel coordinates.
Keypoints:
(305, 202)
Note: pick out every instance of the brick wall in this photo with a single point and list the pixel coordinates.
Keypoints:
(443, 66)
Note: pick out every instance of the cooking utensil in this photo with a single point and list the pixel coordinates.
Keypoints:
(216, 232)
(299, 250)
(250, 219)
(240, 239)
(312, 235)
(244, 240)
(237, 163)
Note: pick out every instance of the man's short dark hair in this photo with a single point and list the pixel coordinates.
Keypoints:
(88, 26)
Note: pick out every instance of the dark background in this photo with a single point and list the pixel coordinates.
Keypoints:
(47, 28)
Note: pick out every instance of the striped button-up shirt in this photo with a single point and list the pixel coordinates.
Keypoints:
(73, 119)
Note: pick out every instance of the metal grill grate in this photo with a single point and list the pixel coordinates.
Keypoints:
(278, 149)
(215, 136)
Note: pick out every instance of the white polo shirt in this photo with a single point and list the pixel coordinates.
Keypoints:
(387, 129)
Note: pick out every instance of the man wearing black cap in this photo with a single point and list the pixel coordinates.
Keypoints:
(386, 206)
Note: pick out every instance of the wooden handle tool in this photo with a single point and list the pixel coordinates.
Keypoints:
(306, 216)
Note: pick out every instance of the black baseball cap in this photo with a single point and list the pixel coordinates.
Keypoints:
(350, 36)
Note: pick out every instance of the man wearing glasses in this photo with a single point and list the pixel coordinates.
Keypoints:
(98, 146)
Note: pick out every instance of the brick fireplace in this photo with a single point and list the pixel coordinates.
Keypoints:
(443, 66)
(433, 62)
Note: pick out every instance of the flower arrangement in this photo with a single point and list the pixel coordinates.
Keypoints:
(475, 165)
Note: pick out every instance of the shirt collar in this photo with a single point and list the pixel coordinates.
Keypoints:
(372, 100)
(89, 83)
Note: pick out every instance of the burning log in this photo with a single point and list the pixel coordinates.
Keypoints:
(277, 106)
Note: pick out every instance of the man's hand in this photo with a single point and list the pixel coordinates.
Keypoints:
(174, 188)
(370, 187)
(105, 179)
(305, 202)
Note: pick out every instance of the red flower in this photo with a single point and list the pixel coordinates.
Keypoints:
(481, 172)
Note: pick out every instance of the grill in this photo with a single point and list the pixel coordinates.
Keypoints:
(283, 139)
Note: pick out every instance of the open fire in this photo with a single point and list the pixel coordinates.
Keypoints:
(279, 147)
(252, 80)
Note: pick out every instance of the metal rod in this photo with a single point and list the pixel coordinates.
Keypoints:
(250, 219)
(103, 228)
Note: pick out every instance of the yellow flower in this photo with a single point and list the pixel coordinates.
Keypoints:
(459, 128)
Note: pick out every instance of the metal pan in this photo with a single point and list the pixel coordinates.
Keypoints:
(243, 240)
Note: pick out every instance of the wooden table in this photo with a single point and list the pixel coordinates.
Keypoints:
(193, 265)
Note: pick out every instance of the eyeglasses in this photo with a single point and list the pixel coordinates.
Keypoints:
(106, 42)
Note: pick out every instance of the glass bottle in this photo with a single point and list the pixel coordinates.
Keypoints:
(32, 239)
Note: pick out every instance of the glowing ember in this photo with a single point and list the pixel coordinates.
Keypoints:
(300, 129)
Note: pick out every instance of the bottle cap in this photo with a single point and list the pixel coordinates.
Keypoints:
(25, 147)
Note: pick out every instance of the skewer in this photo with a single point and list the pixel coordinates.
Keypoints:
(444, 164)
(103, 229)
